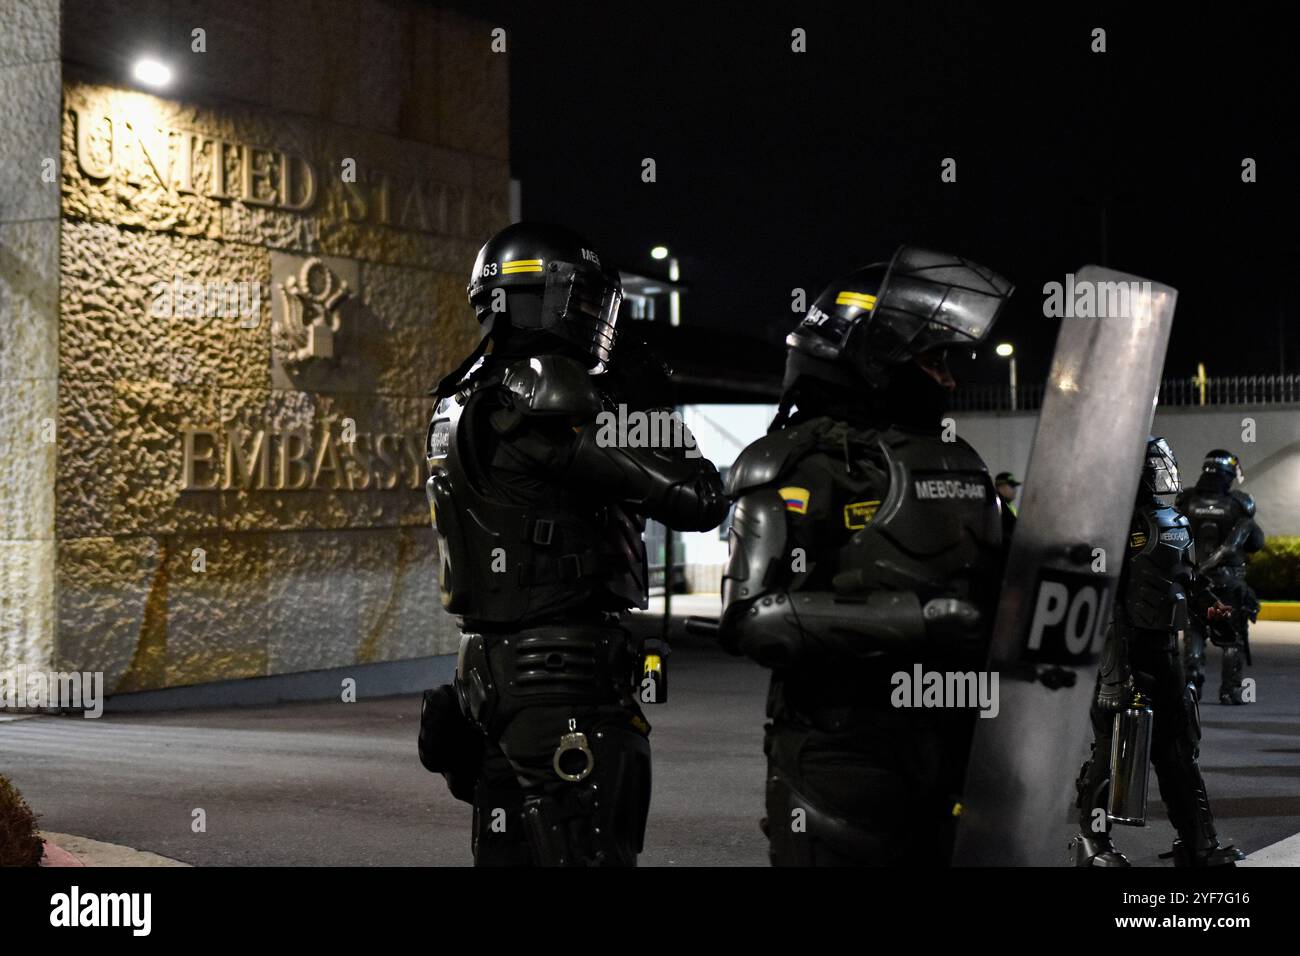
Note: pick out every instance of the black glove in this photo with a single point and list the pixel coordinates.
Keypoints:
(952, 624)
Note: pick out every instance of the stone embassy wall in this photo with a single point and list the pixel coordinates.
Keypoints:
(246, 339)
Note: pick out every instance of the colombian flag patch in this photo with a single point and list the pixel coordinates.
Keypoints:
(796, 499)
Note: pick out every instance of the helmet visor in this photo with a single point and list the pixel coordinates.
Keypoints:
(1162, 469)
(931, 300)
(581, 305)
(1225, 466)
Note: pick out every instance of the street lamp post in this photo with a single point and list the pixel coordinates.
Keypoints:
(674, 297)
(1007, 351)
(659, 253)
(674, 273)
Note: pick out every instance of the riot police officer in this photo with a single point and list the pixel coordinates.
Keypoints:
(864, 543)
(1224, 531)
(1006, 484)
(539, 521)
(1158, 593)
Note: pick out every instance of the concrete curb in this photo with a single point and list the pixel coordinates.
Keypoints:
(55, 855)
(64, 849)
(1279, 610)
(387, 679)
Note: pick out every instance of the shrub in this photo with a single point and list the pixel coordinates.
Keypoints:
(19, 844)
(1274, 572)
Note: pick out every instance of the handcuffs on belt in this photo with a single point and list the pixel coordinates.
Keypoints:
(573, 742)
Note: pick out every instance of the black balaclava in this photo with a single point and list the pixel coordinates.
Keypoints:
(915, 400)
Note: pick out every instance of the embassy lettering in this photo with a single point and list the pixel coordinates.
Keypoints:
(299, 459)
(191, 163)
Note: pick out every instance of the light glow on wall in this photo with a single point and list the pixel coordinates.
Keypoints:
(152, 72)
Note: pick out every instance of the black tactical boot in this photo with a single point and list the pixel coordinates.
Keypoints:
(1096, 851)
(1213, 855)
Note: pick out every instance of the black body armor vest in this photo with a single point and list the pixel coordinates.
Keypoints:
(1213, 517)
(1157, 570)
(938, 531)
(507, 562)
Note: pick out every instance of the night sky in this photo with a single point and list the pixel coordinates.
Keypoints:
(778, 170)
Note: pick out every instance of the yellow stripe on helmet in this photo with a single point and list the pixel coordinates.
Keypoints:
(521, 265)
(859, 299)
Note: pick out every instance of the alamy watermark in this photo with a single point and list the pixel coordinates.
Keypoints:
(1086, 299)
(23, 689)
(946, 689)
(187, 299)
(659, 428)
(133, 911)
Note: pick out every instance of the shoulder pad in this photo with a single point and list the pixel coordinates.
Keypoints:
(551, 385)
(765, 460)
(1246, 501)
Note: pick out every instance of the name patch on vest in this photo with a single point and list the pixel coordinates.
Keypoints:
(950, 486)
(439, 440)
(858, 514)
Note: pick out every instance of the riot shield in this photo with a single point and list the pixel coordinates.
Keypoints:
(1062, 569)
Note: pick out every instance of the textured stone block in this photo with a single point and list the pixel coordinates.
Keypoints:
(420, 326)
(29, 32)
(113, 281)
(148, 426)
(29, 141)
(219, 618)
(313, 605)
(111, 610)
(29, 295)
(473, 88)
(383, 56)
(401, 614)
(319, 72)
(240, 37)
(27, 420)
(26, 604)
(86, 460)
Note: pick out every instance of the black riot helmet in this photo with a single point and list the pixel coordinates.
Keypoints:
(544, 278)
(1219, 470)
(1159, 470)
(881, 316)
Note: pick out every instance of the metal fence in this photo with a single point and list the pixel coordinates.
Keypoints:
(1228, 390)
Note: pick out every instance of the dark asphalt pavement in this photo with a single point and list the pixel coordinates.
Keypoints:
(340, 784)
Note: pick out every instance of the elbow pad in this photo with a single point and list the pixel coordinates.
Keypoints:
(661, 483)
(781, 630)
